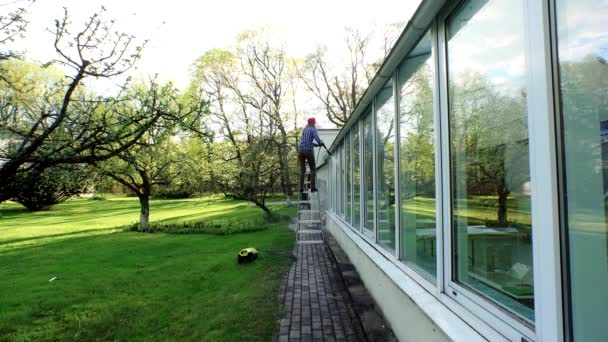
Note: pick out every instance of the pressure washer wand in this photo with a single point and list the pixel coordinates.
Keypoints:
(326, 149)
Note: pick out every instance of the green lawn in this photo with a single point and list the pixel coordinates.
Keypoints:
(123, 286)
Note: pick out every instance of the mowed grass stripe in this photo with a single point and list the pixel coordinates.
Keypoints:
(132, 286)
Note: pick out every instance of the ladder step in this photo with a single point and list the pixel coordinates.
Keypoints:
(309, 211)
(309, 221)
(310, 231)
(310, 242)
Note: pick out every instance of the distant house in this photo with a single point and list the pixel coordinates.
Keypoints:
(467, 186)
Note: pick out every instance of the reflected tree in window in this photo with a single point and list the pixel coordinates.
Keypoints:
(385, 162)
(417, 161)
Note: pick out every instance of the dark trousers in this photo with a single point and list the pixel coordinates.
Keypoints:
(309, 156)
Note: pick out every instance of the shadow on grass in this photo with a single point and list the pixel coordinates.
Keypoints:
(85, 206)
(132, 286)
(50, 236)
(238, 210)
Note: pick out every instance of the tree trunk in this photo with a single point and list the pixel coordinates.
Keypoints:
(144, 216)
(503, 193)
(284, 165)
(262, 206)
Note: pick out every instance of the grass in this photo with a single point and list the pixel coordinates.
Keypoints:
(126, 286)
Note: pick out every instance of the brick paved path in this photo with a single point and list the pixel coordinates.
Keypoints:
(317, 306)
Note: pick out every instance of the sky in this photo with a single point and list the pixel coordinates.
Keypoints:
(179, 31)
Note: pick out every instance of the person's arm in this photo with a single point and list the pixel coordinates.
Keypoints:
(315, 136)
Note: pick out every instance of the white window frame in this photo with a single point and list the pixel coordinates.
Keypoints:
(396, 154)
(343, 178)
(369, 232)
(544, 209)
(423, 280)
(543, 167)
(512, 327)
(375, 149)
(350, 176)
(359, 128)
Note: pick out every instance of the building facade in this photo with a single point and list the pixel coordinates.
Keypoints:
(469, 187)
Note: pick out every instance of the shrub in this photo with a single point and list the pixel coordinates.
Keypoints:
(54, 185)
(213, 227)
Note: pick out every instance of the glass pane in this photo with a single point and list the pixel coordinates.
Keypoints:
(385, 163)
(331, 181)
(338, 188)
(417, 160)
(491, 216)
(583, 68)
(356, 178)
(341, 180)
(330, 184)
(349, 169)
(333, 185)
(344, 168)
(368, 174)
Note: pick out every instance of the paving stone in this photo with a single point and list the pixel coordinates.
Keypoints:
(315, 300)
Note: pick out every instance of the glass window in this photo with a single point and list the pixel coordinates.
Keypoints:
(331, 182)
(385, 166)
(349, 169)
(583, 70)
(343, 180)
(356, 178)
(368, 174)
(339, 194)
(331, 203)
(335, 185)
(417, 160)
(492, 229)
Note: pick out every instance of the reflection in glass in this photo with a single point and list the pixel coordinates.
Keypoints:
(329, 182)
(342, 182)
(349, 168)
(489, 153)
(417, 160)
(368, 174)
(583, 70)
(385, 162)
(354, 133)
(338, 182)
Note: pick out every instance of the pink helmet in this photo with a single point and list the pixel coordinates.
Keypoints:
(312, 121)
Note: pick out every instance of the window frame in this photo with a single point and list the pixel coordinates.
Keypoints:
(360, 163)
(390, 81)
(545, 249)
(368, 232)
(497, 317)
(341, 180)
(349, 176)
(434, 287)
(561, 308)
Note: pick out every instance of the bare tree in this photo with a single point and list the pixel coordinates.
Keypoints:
(69, 125)
(339, 92)
(12, 25)
(246, 151)
(264, 73)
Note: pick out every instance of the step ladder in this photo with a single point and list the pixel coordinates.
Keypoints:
(309, 228)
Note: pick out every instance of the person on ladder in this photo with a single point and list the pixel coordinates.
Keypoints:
(306, 153)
